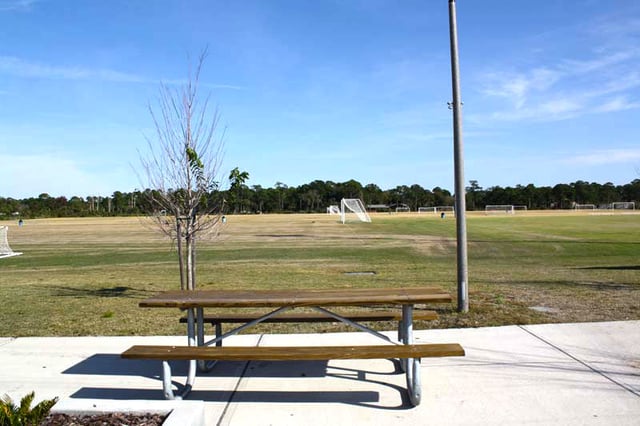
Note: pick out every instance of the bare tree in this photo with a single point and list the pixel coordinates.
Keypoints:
(182, 168)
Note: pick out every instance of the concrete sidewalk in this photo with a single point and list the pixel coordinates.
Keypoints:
(563, 374)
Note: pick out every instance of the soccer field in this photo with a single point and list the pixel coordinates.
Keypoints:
(85, 276)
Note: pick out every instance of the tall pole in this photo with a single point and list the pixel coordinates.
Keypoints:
(458, 164)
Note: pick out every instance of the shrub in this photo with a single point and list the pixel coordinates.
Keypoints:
(23, 415)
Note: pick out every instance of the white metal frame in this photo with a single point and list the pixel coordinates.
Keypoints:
(499, 208)
(5, 249)
(631, 204)
(584, 206)
(426, 209)
(195, 337)
(333, 209)
(445, 209)
(356, 206)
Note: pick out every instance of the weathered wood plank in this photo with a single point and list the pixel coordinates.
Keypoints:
(287, 353)
(296, 298)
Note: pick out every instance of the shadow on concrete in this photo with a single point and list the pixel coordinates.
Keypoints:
(344, 397)
(114, 365)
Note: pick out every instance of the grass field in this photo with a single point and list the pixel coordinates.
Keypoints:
(86, 276)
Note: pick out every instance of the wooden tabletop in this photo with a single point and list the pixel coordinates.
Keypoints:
(295, 298)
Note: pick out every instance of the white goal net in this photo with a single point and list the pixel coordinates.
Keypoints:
(445, 209)
(499, 208)
(426, 209)
(349, 206)
(333, 209)
(5, 249)
(623, 205)
(584, 206)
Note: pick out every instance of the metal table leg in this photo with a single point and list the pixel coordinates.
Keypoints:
(203, 366)
(411, 366)
(167, 380)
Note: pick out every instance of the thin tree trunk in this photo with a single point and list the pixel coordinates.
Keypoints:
(180, 253)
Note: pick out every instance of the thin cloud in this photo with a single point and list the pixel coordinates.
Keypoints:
(18, 67)
(518, 87)
(620, 103)
(572, 67)
(607, 156)
(16, 5)
(10, 65)
(605, 80)
(552, 110)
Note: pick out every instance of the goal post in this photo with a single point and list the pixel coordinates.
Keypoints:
(623, 205)
(444, 209)
(350, 206)
(499, 208)
(426, 210)
(584, 206)
(5, 249)
(333, 209)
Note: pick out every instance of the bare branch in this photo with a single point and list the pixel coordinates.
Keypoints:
(183, 166)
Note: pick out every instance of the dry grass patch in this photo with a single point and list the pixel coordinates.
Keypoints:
(86, 276)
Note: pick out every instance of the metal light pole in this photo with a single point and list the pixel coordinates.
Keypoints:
(458, 161)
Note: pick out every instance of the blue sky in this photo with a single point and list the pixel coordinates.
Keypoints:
(324, 89)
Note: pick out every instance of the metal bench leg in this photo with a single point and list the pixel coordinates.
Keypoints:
(411, 366)
(167, 381)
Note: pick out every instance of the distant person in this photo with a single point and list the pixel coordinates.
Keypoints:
(20, 222)
(442, 215)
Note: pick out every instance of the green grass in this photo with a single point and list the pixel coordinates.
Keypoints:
(86, 276)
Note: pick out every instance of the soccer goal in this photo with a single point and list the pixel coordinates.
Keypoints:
(333, 210)
(583, 207)
(5, 249)
(499, 208)
(444, 209)
(349, 206)
(426, 210)
(623, 205)
(403, 209)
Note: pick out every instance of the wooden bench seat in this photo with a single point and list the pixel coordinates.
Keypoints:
(228, 318)
(287, 353)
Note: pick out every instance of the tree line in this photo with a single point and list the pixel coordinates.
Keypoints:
(316, 196)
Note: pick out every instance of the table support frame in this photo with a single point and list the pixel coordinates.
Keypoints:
(195, 337)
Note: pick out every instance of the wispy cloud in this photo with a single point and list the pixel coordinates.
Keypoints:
(10, 65)
(16, 5)
(518, 87)
(619, 103)
(21, 68)
(607, 156)
(605, 79)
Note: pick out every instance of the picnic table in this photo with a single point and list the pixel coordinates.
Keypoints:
(202, 354)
